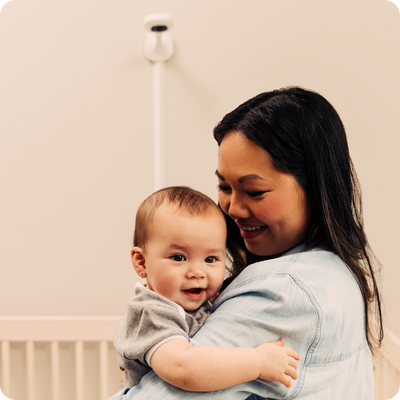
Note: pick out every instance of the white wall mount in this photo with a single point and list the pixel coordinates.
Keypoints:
(159, 48)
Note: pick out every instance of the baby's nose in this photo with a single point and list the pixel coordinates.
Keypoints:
(196, 272)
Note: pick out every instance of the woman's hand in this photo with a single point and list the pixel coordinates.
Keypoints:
(278, 362)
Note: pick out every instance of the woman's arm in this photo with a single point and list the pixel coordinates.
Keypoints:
(208, 368)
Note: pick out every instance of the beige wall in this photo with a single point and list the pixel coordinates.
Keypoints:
(76, 125)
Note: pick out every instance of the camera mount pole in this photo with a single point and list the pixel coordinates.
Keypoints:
(159, 48)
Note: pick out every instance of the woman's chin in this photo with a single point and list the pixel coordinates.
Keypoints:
(257, 250)
(264, 249)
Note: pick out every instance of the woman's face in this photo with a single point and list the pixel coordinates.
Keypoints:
(268, 206)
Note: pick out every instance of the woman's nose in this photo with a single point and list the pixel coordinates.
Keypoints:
(236, 208)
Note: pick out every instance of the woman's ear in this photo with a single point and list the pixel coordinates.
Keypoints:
(138, 261)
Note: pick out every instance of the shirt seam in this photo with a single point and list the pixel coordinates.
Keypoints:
(290, 261)
(317, 334)
(318, 326)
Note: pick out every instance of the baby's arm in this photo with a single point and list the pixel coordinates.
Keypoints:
(208, 368)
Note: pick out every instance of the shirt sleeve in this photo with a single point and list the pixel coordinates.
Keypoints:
(150, 320)
(247, 315)
(157, 345)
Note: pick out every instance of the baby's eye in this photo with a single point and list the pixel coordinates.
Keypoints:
(178, 257)
(211, 259)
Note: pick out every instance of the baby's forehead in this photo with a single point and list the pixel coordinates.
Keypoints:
(180, 225)
(186, 212)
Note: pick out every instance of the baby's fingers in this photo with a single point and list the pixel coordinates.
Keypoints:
(286, 381)
(292, 362)
(291, 372)
(291, 353)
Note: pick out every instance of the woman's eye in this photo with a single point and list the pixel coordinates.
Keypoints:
(255, 194)
(223, 188)
(178, 257)
(211, 259)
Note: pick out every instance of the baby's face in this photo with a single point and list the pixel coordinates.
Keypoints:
(185, 256)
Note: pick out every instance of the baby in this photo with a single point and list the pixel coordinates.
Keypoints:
(179, 247)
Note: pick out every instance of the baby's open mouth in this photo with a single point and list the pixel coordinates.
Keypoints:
(194, 290)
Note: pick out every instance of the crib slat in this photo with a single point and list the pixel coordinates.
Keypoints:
(5, 366)
(394, 382)
(385, 380)
(79, 369)
(378, 378)
(103, 369)
(397, 380)
(30, 369)
(55, 370)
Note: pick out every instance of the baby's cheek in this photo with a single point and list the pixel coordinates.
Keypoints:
(218, 279)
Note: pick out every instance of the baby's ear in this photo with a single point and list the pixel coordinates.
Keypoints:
(138, 261)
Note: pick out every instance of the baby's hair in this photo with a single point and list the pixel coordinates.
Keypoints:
(182, 198)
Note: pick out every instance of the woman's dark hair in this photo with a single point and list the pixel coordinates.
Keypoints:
(306, 138)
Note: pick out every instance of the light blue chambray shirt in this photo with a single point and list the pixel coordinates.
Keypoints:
(309, 298)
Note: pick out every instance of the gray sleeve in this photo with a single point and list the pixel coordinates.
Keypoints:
(149, 320)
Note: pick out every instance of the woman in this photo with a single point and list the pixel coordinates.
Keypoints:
(301, 265)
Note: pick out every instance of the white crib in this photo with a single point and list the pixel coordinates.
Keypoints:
(65, 358)
(387, 368)
(58, 358)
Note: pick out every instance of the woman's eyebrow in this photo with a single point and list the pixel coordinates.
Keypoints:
(241, 179)
(251, 176)
(219, 175)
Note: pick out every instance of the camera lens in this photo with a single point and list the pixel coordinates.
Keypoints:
(159, 28)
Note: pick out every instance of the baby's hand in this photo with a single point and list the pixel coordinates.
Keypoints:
(278, 362)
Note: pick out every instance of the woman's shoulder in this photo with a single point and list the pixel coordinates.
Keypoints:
(300, 260)
(318, 273)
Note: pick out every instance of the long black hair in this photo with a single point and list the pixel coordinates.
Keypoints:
(306, 138)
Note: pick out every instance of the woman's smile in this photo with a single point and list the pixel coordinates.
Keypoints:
(256, 228)
(252, 232)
